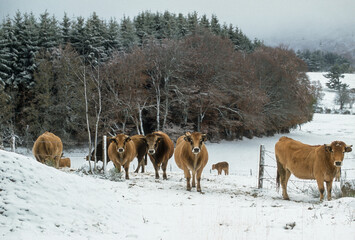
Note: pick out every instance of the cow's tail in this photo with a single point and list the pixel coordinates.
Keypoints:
(278, 174)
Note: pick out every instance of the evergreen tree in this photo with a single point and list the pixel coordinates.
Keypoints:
(7, 52)
(65, 29)
(204, 22)
(78, 36)
(334, 77)
(113, 37)
(192, 22)
(215, 26)
(48, 34)
(182, 26)
(128, 35)
(96, 32)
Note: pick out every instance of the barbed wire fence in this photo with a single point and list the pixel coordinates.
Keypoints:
(268, 170)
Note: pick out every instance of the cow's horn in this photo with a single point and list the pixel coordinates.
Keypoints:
(328, 145)
(349, 146)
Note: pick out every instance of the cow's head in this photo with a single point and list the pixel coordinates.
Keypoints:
(213, 166)
(120, 142)
(196, 140)
(153, 140)
(337, 149)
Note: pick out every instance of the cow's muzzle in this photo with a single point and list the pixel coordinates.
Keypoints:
(151, 151)
(196, 150)
(120, 150)
(338, 163)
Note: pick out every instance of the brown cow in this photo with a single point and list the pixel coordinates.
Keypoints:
(319, 162)
(191, 155)
(141, 149)
(221, 166)
(121, 152)
(48, 149)
(160, 150)
(64, 162)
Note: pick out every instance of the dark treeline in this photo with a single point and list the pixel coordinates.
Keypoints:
(320, 61)
(158, 71)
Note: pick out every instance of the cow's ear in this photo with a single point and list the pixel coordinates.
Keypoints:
(144, 139)
(112, 140)
(328, 148)
(187, 138)
(348, 148)
(159, 139)
(128, 139)
(204, 137)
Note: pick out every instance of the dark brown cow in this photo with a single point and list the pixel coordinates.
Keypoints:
(64, 162)
(160, 150)
(141, 149)
(48, 149)
(99, 155)
(319, 162)
(121, 152)
(191, 155)
(221, 166)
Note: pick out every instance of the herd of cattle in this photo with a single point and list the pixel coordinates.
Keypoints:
(319, 162)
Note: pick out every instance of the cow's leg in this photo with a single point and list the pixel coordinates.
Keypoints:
(329, 189)
(156, 167)
(226, 171)
(56, 161)
(188, 177)
(198, 178)
(320, 183)
(163, 166)
(117, 166)
(142, 166)
(126, 168)
(139, 164)
(284, 179)
(219, 171)
(193, 178)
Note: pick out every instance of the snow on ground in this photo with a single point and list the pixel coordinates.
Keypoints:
(330, 94)
(40, 202)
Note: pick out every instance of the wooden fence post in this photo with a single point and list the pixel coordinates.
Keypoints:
(261, 166)
(104, 152)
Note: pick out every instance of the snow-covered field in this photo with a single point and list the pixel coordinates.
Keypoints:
(40, 202)
(330, 94)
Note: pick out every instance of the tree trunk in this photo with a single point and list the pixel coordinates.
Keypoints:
(87, 117)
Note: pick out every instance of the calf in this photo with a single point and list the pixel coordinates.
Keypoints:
(160, 150)
(221, 166)
(121, 152)
(191, 156)
(64, 162)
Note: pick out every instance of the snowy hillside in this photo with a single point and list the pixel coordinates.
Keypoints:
(40, 202)
(328, 100)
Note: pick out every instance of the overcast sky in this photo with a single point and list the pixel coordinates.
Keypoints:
(263, 19)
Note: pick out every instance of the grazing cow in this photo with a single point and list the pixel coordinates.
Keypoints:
(319, 162)
(141, 149)
(160, 150)
(221, 166)
(191, 155)
(121, 152)
(48, 149)
(64, 162)
(99, 155)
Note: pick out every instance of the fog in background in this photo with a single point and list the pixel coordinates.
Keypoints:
(294, 23)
